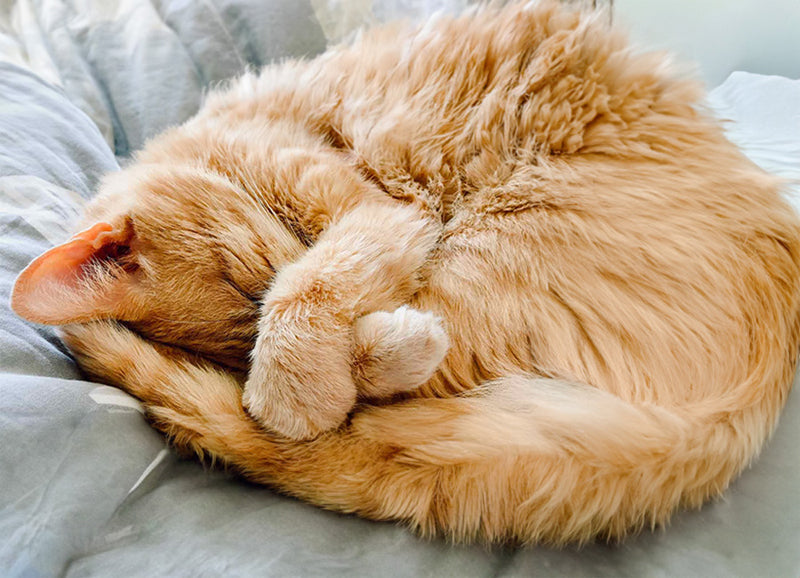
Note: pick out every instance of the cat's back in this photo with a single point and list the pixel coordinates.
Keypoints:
(488, 78)
(465, 102)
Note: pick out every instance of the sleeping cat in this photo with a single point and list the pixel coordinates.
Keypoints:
(279, 278)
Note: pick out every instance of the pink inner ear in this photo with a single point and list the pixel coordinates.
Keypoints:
(49, 290)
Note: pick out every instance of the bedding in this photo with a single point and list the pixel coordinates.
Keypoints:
(87, 488)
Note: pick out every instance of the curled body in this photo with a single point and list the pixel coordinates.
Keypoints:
(500, 278)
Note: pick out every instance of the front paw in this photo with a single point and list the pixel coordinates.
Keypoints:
(397, 351)
(300, 384)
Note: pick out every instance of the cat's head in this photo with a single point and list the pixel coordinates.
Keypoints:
(182, 255)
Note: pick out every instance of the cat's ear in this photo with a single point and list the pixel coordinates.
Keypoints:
(80, 280)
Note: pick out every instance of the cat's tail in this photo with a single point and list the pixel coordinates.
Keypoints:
(520, 460)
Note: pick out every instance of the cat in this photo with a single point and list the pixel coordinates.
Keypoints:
(500, 278)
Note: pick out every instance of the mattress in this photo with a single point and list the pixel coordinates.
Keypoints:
(87, 488)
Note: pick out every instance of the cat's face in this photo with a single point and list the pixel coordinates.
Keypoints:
(181, 255)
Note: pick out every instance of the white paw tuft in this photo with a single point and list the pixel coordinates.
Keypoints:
(405, 348)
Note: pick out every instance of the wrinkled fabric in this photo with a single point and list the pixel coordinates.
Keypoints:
(87, 488)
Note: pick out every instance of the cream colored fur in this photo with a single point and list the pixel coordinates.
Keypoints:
(618, 285)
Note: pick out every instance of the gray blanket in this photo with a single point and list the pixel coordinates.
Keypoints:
(88, 489)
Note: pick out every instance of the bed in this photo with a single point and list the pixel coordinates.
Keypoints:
(87, 488)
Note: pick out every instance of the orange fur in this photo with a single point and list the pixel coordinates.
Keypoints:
(620, 286)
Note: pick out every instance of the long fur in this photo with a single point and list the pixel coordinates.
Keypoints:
(620, 285)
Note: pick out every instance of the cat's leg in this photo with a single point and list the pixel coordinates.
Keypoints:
(300, 381)
(396, 351)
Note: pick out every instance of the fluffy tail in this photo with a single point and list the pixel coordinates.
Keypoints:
(520, 460)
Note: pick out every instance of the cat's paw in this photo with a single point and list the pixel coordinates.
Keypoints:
(397, 351)
(300, 383)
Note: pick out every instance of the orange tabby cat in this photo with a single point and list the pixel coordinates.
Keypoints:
(620, 286)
